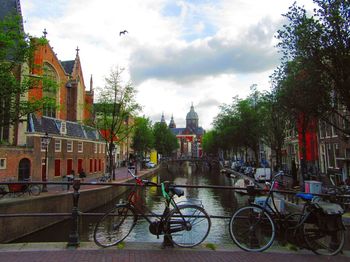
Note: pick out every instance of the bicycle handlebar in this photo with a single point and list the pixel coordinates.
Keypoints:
(139, 180)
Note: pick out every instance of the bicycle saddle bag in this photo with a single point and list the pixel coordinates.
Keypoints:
(329, 208)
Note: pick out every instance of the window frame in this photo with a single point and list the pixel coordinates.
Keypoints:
(58, 145)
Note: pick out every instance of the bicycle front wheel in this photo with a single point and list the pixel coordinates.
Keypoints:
(35, 190)
(114, 226)
(324, 242)
(252, 229)
(187, 225)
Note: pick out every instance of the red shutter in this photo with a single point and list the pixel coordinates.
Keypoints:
(69, 166)
(57, 167)
(80, 165)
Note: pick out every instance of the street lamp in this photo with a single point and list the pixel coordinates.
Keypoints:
(45, 141)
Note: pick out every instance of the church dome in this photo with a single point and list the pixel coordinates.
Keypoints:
(192, 115)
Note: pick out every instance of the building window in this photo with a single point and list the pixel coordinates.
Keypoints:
(63, 130)
(69, 146)
(330, 156)
(2, 163)
(44, 146)
(57, 167)
(58, 144)
(336, 155)
(50, 90)
(95, 148)
(80, 147)
(95, 165)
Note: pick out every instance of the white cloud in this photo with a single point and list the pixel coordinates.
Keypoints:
(176, 52)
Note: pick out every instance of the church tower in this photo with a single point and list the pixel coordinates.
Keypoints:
(172, 122)
(192, 119)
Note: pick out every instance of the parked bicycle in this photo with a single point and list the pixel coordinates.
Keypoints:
(185, 224)
(22, 189)
(318, 227)
(105, 178)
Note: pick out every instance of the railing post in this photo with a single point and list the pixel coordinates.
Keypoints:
(167, 238)
(73, 240)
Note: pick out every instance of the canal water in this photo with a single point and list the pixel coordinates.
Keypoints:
(217, 202)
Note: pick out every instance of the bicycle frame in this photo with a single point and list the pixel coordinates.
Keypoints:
(140, 212)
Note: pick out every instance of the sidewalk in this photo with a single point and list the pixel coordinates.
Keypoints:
(151, 252)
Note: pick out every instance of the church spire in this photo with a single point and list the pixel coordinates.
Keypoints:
(162, 120)
(172, 122)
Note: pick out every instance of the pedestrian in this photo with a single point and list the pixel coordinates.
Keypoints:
(70, 178)
(82, 174)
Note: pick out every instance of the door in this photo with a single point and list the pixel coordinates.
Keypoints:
(24, 169)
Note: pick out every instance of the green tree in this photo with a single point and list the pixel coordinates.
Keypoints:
(143, 138)
(165, 141)
(321, 43)
(211, 143)
(114, 108)
(16, 61)
(274, 124)
(302, 98)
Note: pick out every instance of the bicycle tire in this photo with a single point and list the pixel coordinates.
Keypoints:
(114, 226)
(187, 225)
(323, 242)
(34, 190)
(252, 229)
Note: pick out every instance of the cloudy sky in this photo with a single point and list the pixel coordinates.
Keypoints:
(177, 52)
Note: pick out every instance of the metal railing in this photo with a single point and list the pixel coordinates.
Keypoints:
(73, 240)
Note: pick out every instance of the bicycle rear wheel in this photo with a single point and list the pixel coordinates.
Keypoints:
(187, 225)
(323, 242)
(34, 190)
(252, 229)
(114, 226)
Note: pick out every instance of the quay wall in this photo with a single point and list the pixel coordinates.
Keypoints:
(12, 228)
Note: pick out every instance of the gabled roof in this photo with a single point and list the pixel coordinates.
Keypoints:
(52, 127)
(180, 131)
(68, 66)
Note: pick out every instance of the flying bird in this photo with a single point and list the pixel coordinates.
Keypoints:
(123, 32)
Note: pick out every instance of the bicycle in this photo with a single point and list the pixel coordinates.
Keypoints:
(254, 227)
(105, 178)
(21, 189)
(185, 225)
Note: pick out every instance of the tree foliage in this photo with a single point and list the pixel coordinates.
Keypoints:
(165, 141)
(114, 109)
(318, 46)
(16, 61)
(143, 138)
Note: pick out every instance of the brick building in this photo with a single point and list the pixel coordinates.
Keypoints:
(73, 144)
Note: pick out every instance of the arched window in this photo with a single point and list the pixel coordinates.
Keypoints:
(23, 169)
(50, 84)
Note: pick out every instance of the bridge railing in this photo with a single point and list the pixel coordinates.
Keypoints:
(75, 214)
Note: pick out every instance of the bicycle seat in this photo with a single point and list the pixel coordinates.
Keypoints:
(168, 187)
(177, 191)
(304, 196)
